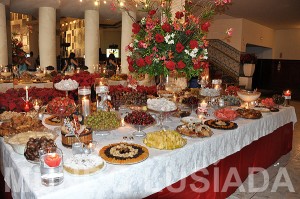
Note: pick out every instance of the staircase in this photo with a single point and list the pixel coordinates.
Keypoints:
(225, 59)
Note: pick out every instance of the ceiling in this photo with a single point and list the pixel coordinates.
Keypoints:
(276, 14)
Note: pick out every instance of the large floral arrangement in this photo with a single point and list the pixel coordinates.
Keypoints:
(18, 54)
(163, 43)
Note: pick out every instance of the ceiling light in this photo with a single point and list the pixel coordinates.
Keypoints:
(121, 4)
(104, 2)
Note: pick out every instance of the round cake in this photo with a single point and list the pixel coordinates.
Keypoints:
(83, 164)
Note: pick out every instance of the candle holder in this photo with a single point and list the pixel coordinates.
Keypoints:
(51, 165)
(26, 106)
(287, 97)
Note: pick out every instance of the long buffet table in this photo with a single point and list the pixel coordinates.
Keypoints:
(254, 143)
(6, 86)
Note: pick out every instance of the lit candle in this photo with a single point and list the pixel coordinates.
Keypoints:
(53, 160)
(92, 146)
(85, 107)
(203, 104)
(206, 77)
(36, 106)
(287, 93)
(26, 89)
(217, 87)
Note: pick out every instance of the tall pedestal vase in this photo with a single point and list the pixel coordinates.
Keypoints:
(249, 69)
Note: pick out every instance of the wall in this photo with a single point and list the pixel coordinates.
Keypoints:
(108, 37)
(221, 24)
(287, 42)
(254, 33)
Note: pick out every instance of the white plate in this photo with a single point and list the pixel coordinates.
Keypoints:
(190, 119)
(262, 109)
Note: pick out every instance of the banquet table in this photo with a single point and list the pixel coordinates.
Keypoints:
(6, 86)
(162, 168)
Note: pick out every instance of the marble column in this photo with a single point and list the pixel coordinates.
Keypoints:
(47, 37)
(3, 37)
(91, 32)
(126, 38)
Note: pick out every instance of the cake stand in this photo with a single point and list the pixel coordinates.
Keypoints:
(140, 129)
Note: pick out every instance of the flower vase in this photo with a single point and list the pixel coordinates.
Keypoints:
(249, 69)
(161, 86)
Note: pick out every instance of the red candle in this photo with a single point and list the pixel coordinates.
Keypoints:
(287, 93)
(52, 160)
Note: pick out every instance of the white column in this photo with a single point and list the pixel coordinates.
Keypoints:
(91, 32)
(3, 37)
(126, 38)
(47, 36)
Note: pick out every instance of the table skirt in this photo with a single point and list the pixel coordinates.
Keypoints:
(261, 153)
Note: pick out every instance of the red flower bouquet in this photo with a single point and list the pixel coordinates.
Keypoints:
(172, 43)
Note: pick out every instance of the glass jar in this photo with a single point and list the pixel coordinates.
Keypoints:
(84, 100)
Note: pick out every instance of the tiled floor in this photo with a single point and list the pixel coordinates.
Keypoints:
(283, 181)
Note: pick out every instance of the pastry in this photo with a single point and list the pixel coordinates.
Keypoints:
(124, 153)
(168, 140)
(194, 130)
(83, 164)
(53, 120)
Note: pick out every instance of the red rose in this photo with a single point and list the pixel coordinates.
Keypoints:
(159, 38)
(148, 60)
(140, 62)
(129, 60)
(136, 28)
(179, 15)
(152, 12)
(205, 26)
(179, 47)
(197, 66)
(193, 44)
(170, 65)
(180, 65)
(130, 68)
(188, 32)
(166, 27)
(204, 64)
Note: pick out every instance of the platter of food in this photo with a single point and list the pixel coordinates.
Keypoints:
(84, 164)
(19, 141)
(165, 140)
(21, 123)
(53, 120)
(219, 124)
(124, 153)
(194, 130)
(249, 113)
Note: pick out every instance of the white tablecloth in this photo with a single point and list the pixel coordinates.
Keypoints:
(161, 169)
